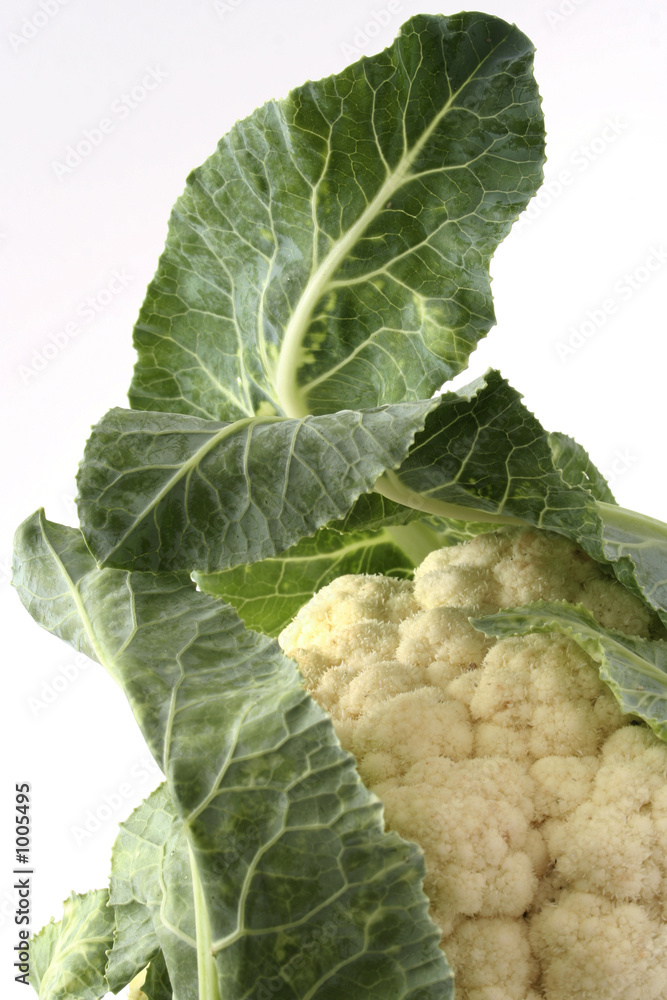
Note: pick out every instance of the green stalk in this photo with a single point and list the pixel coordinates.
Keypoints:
(415, 539)
(207, 973)
(633, 523)
(390, 486)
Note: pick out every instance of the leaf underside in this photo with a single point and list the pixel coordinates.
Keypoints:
(285, 842)
(68, 957)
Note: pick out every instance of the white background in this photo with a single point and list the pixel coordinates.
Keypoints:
(62, 239)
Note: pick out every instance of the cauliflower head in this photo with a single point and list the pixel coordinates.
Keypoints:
(541, 809)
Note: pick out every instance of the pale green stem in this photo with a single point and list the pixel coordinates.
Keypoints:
(292, 395)
(207, 973)
(415, 539)
(635, 524)
(390, 486)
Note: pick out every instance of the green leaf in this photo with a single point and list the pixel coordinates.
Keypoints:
(151, 884)
(68, 958)
(634, 668)
(576, 467)
(333, 252)
(637, 545)
(268, 594)
(173, 492)
(157, 985)
(482, 454)
(136, 943)
(319, 901)
(53, 573)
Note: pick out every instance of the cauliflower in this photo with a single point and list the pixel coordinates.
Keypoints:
(135, 991)
(540, 807)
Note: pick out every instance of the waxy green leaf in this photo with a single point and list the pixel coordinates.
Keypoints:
(634, 668)
(483, 454)
(68, 957)
(151, 883)
(174, 492)
(576, 467)
(268, 594)
(333, 252)
(134, 944)
(157, 985)
(320, 900)
(139, 927)
(637, 546)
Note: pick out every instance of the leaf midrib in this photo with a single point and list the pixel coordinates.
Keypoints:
(290, 395)
(183, 470)
(76, 598)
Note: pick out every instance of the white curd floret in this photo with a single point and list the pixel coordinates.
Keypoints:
(540, 807)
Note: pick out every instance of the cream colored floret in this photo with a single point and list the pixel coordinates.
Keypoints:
(135, 991)
(541, 810)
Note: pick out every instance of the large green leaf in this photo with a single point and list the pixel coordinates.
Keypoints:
(173, 492)
(253, 767)
(151, 883)
(576, 467)
(53, 572)
(483, 454)
(333, 252)
(634, 668)
(68, 957)
(136, 940)
(134, 945)
(637, 546)
(268, 594)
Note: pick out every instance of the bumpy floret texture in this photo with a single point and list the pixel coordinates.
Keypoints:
(540, 807)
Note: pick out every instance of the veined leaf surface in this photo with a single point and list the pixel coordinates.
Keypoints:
(139, 928)
(173, 492)
(151, 881)
(157, 985)
(576, 467)
(68, 957)
(333, 253)
(268, 594)
(253, 764)
(482, 453)
(637, 544)
(135, 944)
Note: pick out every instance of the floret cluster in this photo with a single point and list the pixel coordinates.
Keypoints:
(540, 807)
